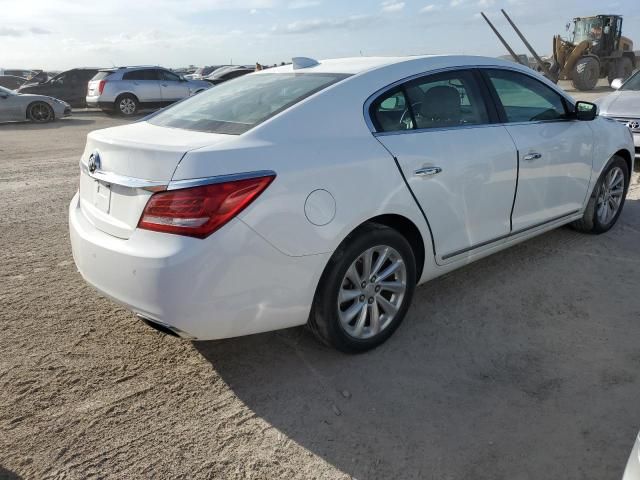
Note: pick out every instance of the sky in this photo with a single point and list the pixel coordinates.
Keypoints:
(62, 34)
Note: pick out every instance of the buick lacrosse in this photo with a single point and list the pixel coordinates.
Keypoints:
(324, 192)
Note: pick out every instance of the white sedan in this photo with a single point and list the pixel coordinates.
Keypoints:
(22, 107)
(324, 192)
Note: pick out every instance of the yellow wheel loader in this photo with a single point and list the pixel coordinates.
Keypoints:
(596, 50)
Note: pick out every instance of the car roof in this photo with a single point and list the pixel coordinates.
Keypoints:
(356, 65)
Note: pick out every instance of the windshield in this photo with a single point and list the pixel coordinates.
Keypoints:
(239, 105)
(587, 29)
(7, 91)
(633, 84)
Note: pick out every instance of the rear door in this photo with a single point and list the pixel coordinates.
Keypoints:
(144, 84)
(171, 87)
(461, 167)
(555, 151)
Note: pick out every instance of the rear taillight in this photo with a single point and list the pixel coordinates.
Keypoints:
(101, 86)
(200, 211)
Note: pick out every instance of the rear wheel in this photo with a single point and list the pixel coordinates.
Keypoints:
(585, 73)
(126, 105)
(606, 202)
(365, 290)
(40, 112)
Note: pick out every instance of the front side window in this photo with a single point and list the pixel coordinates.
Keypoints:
(168, 76)
(446, 100)
(235, 107)
(526, 99)
(633, 83)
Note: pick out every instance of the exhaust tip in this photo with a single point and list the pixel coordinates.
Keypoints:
(164, 328)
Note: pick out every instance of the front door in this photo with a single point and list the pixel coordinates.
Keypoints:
(171, 87)
(555, 151)
(461, 167)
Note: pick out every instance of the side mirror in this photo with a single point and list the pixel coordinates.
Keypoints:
(586, 111)
(4, 95)
(617, 83)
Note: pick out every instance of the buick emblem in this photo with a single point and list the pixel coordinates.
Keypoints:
(633, 125)
(94, 162)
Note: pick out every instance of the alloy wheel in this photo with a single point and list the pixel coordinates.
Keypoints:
(127, 106)
(610, 195)
(372, 291)
(41, 112)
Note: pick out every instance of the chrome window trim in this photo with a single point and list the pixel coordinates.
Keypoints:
(161, 186)
(198, 182)
(373, 97)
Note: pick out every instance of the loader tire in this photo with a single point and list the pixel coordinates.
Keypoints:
(585, 74)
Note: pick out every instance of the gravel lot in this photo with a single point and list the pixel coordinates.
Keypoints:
(521, 366)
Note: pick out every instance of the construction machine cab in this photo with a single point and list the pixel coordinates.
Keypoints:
(602, 31)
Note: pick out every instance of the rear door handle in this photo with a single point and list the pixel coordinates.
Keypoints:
(427, 171)
(533, 156)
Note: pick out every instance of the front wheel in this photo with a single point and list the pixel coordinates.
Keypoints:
(40, 112)
(606, 202)
(585, 73)
(365, 290)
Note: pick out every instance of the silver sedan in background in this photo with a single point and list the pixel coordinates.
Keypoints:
(623, 105)
(17, 107)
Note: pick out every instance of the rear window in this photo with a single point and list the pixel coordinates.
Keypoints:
(241, 104)
(101, 75)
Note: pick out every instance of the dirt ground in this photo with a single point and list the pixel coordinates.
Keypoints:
(521, 366)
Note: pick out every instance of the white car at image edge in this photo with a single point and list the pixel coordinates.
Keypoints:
(324, 192)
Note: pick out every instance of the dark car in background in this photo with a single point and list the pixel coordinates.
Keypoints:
(70, 86)
(11, 81)
(227, 73)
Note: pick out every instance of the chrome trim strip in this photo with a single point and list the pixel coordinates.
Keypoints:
(198, 182)
(508, 235)
(124, 181)
(160, 186)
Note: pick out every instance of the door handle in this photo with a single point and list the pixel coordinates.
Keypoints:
(427, 171)
(164, 84)
(533, 156)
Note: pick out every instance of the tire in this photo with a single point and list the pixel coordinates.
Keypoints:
(40, 112)
(126, 105)
(593, 220)
(586, 73)
(623, 68)
(350, 326)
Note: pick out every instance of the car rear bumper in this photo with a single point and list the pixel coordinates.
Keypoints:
(94, 102)
(230, 284)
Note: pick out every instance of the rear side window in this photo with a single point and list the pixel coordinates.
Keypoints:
(148, 74)
(525, 99)
(101, 75)
(235, 107)
(446, 100)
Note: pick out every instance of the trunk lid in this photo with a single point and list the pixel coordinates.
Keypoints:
(113, 197)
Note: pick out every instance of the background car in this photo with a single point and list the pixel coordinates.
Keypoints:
(126, 90)
(202, 72)
(70, 86)
(324, 192)
(17, 107)
(11, 81)
(623, 105)
(227, 73)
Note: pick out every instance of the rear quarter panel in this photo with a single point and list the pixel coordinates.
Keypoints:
(321, 143)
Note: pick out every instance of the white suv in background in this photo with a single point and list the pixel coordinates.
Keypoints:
(125, 90)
